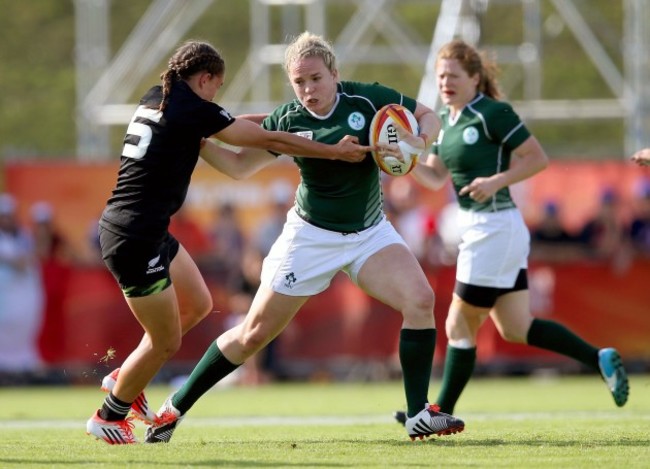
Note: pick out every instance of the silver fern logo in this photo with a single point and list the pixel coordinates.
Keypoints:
(152, 265)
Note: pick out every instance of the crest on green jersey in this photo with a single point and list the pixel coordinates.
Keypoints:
(356, 121)
(470, 135)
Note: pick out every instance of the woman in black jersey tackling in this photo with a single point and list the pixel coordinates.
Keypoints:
(160, 282)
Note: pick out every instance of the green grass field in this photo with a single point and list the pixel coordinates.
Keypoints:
(565, 422)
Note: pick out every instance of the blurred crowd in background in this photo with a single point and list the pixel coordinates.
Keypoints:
(35, 258)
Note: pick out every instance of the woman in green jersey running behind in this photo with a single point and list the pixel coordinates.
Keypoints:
(337, 224)
(484, 147)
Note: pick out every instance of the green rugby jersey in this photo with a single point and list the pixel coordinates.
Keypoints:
(336, 195)
(479, 143)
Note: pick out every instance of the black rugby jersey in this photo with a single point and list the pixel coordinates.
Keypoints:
(159, 155)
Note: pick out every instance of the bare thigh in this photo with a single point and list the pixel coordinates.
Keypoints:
(165, 317)
(511, 316)
(463, 322)
(193, 295)
(158, 315)
(393, 276)
(269, 314)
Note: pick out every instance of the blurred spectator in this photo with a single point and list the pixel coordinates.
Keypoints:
(56, 258)
(640, 224)
(449, 233)
(264, 366)
(47, 240)
(605, 236)
(94, 254)
(21, 294)
(282, 197)
(192, 236)
(604, 233)
(549, 238)
(413, 220)
(228, 243)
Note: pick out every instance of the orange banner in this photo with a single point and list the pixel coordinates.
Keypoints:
(78, 191)
(606, 308)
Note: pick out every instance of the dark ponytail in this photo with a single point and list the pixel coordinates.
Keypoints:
(190, 58)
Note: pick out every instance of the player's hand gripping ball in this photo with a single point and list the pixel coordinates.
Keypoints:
(383, 129)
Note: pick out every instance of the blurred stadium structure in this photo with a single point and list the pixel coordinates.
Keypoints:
(105, 83)
(342, 331)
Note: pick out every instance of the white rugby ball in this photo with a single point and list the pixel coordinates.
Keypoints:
(383, 129)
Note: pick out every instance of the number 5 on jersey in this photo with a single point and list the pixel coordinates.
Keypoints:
(139, 133)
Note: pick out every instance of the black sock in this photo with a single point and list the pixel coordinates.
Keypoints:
(416, 349)
(552, 336)
(114, 409)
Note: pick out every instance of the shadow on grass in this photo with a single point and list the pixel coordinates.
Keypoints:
(536, 442)
(309, 449)
(143, 463)
(459, 442)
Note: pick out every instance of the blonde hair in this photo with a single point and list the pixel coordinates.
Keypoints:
(473, 62)
(309, 45)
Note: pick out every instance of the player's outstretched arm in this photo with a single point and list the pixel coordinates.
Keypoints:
(237, 165)
(642, 157)
(245, 133)
(431, 172)
(257, 118)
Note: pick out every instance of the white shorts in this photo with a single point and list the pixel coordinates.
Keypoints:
(305, 258)
(494, 247)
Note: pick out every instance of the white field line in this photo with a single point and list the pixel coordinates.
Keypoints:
(334, 420)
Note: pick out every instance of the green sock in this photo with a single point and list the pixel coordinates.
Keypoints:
(209, 371)
(416, 349)
(459, 366)
(552, 336)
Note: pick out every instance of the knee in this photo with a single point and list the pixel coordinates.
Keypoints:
(422, 299)
(456, 328)
(513, 335)
(514, 330)
(461, 326)
(202, 307)
(253, 340)
(417, 308)
(166, 347)
(193, 313)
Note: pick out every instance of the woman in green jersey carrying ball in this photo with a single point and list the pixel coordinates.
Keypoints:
(337, 224)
